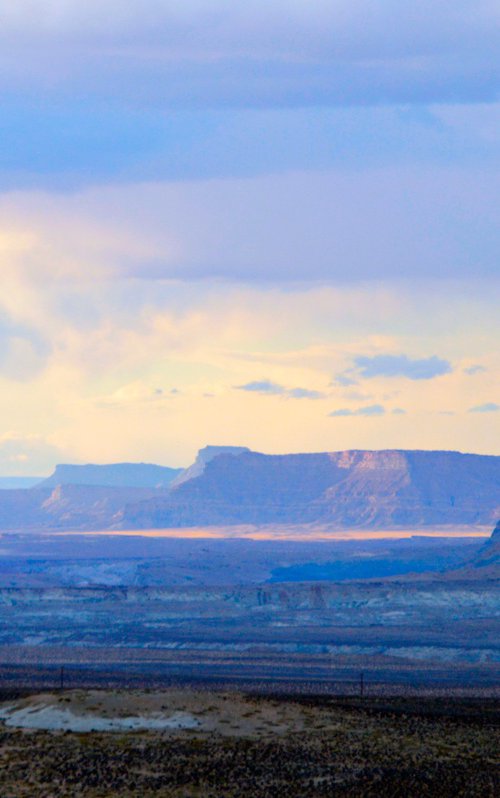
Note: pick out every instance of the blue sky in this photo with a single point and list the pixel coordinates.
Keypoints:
(198, 199)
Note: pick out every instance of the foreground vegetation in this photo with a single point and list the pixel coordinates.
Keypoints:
(330, 747)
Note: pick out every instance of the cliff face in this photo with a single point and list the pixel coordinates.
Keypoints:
(205, 455)
(486, 563)
(346, 489)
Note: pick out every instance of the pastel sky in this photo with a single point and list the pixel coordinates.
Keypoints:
(272, 224)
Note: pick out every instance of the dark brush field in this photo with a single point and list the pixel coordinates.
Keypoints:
(262, 747)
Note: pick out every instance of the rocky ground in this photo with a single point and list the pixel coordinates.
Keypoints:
(258, 747)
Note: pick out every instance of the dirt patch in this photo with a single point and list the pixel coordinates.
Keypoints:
(227, 714)
(256, 747)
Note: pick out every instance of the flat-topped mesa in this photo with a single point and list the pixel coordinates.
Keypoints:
(114, 475)
(363, 489)
(231, 485)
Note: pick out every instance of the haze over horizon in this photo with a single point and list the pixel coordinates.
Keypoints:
(271, 225)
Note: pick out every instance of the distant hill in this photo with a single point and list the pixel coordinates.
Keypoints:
(365, 489)
(116, 475)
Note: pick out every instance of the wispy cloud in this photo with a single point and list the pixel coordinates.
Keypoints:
(305, 393)
(274, 389)
(206, 53)
(475, 369)
(27, 454)
(262, 386)
(368, 410)
(488, 407)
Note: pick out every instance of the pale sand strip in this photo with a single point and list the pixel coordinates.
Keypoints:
(303, 533)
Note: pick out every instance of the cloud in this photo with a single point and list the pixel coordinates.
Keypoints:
(368, 410)
(333, 227)
(304, 393)
(262, 386)
(27, 455)
(475, 369)
(344, 380)
(213, 53)
(399, 411)
(488, 407)
(23, 350)
(402, 366)
(274, 389)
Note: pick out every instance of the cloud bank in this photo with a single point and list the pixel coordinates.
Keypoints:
(260, 53)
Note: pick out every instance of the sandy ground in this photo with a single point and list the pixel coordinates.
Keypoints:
(295, 532)
(227, 714)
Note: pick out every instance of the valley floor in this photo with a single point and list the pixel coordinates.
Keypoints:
(248, 746)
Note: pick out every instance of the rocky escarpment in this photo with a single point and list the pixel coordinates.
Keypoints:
(367, 489)
(485, 564)
(204, 456)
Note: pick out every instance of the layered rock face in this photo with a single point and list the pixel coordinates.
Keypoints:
(345, 489)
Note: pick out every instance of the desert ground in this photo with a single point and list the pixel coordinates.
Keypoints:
(188, 743)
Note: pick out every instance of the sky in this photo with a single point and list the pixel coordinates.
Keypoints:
(271, 224)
